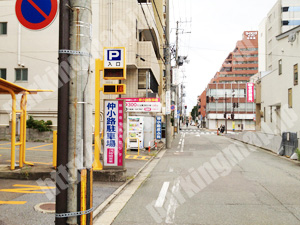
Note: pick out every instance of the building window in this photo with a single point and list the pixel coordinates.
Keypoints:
(3, 74)
(136, 29)
(21, 74)
(296, 74)
(3, 27)
(280, 66)
(290, 98)
(249, 49)
(290, 22)
(291, 9)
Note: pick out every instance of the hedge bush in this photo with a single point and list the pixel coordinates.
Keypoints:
(40, 125)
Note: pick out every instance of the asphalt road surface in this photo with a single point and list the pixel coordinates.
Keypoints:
(210, 179)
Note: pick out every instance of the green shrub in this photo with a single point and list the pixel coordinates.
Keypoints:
(40, 125)
(298, 153)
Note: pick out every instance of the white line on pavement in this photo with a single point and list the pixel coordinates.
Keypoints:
(171, 170)
(182, 146)
(173, 203)
(162, 195)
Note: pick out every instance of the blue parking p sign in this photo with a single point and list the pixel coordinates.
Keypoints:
(114, 58)
(114, 55)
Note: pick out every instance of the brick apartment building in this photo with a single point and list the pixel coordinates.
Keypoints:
(231, 82)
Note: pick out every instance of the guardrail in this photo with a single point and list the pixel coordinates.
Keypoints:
(155, 143)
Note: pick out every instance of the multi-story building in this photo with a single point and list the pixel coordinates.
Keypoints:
(277, 82)
(29, 58)
(229, 86)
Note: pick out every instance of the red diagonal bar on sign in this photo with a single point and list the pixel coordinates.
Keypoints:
(38, 9)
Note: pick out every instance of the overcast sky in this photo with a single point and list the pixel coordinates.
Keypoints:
(216, 27)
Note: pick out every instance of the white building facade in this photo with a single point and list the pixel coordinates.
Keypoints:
(278, 106)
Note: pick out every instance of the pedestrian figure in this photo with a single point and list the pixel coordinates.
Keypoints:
(187, 124)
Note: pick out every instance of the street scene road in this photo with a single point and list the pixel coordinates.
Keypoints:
(20, 198)
(149, 112)
(210, 179)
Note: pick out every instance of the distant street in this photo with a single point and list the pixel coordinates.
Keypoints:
(210, 179)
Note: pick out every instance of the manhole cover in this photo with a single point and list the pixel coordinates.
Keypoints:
(46, 207)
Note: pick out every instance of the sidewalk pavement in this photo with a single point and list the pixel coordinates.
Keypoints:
(15, 203)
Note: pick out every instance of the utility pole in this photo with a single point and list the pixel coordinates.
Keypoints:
(80, 106)
(176, 86)
(168, 70)
(63, 110)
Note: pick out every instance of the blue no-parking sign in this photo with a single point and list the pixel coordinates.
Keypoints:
(36, 14)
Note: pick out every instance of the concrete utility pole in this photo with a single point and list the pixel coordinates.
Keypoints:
(168, 70)
(176, 86)
(63, 110)
(80, 104)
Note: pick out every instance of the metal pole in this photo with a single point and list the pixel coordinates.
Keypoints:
(147, 83)
(168, 70)
(80, 133)
(63, 109)
(233, 124)
(177, 86)
(225, 113)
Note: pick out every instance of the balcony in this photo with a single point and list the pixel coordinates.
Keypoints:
(146, 52)
(148, 30)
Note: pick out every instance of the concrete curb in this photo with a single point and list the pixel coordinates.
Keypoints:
(107, 202)
(267, 150)
(26, 173)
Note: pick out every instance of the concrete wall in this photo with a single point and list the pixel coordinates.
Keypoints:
(267, 141)
(32, 135)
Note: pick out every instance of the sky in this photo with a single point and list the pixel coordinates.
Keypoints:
(215, 26)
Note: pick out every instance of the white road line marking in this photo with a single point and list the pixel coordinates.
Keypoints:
(182, 146)
(173, 203)
(198, 135)
(162, 195)
(202, 132)
(178, 146)
(171, 170)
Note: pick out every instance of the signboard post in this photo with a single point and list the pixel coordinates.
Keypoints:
(250, 92)
(113, 133)
(168, 102)
(114, 68)
(158, 128)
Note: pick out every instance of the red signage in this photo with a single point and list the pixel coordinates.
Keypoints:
(250, 92)
(36, 14)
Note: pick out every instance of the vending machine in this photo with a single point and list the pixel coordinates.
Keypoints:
(135, 130)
